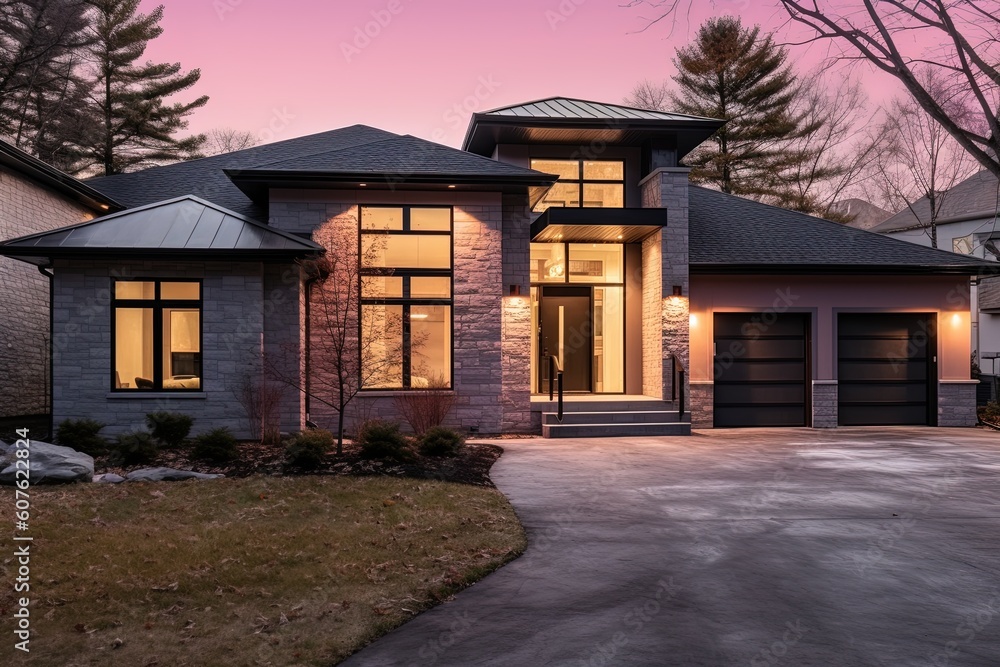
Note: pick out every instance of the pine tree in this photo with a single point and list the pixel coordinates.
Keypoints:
(135, 126)
(737, 74)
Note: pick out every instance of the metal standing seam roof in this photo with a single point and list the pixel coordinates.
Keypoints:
(567, 108)
(185, 224)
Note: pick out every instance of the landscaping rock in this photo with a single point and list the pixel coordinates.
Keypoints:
(166, 475)
(48, 464)
(109, 478)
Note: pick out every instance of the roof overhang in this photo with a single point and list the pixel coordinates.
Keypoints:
(486, 131)
(835, 269)
(45, 257)
(255, 183)
(597, 225)
(46, 174)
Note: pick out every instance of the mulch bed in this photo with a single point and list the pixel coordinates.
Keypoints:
(471, 466)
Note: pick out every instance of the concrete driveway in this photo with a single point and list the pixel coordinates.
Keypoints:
(739, 547)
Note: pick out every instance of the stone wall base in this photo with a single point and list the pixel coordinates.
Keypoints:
(702, 404)
(957, 403)
(824, 404)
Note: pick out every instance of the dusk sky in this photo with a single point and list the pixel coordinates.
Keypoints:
(296, 67)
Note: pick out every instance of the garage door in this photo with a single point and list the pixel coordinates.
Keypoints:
(885, 362)
(761, 369)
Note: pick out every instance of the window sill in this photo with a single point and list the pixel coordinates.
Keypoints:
(389, 393)
(157, 395)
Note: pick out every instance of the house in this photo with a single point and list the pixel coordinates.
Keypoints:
(563, 236)
(34, 197)
(967, 223)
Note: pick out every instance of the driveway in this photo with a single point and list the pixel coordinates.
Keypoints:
(735, 547)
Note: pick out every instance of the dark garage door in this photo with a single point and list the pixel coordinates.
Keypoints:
(884, 364)
(761, 369)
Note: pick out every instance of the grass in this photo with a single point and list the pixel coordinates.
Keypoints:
(254, 571)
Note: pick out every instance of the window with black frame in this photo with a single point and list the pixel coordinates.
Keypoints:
(406, 297)
(156, 327)
(583, 183)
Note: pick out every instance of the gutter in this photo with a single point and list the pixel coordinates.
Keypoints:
(943, 221)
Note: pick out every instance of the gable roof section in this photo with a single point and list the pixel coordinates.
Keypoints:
(45, 174)
(206, 178)
(571, 121)
(186, 227)
(729, 235)
(976, 197)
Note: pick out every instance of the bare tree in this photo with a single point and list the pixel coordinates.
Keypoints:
(918, 160)
(228, 140)
(882, 33)
(650, 95)
(838, 152)
(350, 347)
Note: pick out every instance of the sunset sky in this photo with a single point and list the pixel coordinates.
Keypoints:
(285, 69)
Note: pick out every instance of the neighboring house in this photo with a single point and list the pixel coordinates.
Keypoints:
(34, 197)
(968, 224)
(563, 229)
(863, 214)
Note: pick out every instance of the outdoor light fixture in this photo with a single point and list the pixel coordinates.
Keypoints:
(451, 187)
(515, 290)
(364, 185)
(419, 316)
(678, 291)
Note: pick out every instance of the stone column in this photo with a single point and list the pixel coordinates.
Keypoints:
(666, 187)
(516, 332)
(957, 403)
(825, 403)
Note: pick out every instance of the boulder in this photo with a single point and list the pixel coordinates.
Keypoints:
(166, 475)
(48, 464)
(109, 478)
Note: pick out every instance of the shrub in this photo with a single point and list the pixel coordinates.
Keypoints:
(81, 435)
(308, 449)
(990, 412)
(170, 428)
(441, 441)
(136, 448)
(382, 440)
(218, 446)
(424, 409)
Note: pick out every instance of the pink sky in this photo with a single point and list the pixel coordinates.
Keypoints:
(279, 69)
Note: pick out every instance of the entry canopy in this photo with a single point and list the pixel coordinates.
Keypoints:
(185, 228)
(597, 225)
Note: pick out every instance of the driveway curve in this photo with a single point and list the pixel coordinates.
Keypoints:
(735, 547)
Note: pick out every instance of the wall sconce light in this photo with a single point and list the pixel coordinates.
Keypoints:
(678, 291)
(515, 290)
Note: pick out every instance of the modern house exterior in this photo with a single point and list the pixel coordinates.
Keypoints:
(34, 197)
(563, 235)
(967, 223)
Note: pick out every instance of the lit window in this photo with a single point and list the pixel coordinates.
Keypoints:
(586, 183)
(406, 297)
(157, 335)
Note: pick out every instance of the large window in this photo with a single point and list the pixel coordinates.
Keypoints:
(157, 335)
(406, 297)
(586, 183)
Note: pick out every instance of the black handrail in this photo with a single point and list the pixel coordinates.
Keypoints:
(556, 377)
(677, 391)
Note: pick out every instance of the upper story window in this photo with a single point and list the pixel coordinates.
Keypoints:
(583, 183)
(156, 335)
(406, 297)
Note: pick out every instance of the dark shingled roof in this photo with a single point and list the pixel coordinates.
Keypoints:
(729, 234)
(207, 179)
(186, 226)
(975, 197)
(399, 155)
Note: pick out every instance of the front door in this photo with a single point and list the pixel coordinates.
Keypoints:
(566, 331)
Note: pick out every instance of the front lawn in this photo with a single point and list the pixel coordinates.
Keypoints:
(253, 571)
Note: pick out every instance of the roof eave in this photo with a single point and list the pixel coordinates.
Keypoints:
(57, 180)
(711, 268)
(32, 255)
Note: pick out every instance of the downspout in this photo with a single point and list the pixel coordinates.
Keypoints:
(307, 385)
(49, 381)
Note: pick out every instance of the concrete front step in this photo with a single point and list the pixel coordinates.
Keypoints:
(620, 430)
(639, 405)
(616, 417)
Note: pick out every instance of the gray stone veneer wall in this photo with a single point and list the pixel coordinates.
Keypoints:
(957, 403)
(702, 404)
(26, 208)
(825, 399)
(668, 188)
(479, 308)
(235, 304)
(516, 334)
